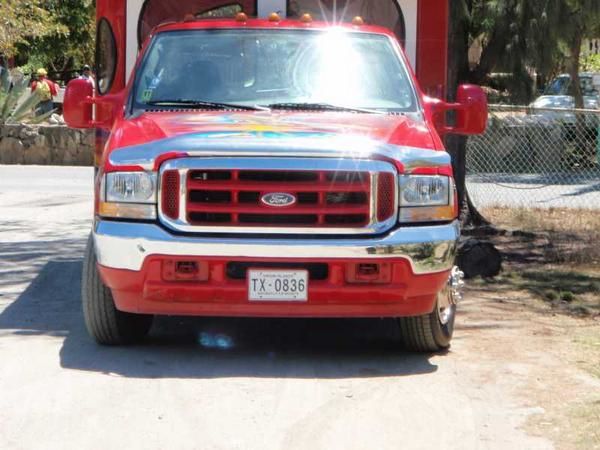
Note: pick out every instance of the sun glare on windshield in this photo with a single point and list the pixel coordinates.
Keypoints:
(337, 56)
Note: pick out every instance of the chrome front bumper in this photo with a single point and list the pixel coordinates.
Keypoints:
(125, 245)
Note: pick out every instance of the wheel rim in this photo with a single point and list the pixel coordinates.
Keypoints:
(446, 305)
(449, 297)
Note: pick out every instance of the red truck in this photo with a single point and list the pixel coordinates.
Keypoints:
(273, 168)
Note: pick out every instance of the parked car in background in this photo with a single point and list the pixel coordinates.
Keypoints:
(559, 95)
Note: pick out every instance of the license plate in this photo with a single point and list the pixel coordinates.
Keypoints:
(278, 285)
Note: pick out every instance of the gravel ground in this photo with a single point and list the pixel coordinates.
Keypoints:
(240, 384)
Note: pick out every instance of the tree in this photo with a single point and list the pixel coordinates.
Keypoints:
(20, 21)
(515, 36)
(518, 36)
(582, 20)
(73, 45)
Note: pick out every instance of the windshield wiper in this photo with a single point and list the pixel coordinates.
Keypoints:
(322, 107)
(200, 104)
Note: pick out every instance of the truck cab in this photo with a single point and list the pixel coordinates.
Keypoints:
(273, 167)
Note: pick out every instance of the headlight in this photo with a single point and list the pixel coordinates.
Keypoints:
(427, 198)
(128, 195)
(131, 187)
(421, 190)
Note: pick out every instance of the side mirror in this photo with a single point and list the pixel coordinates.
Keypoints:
(471, 111)
(471, 117)
(77, 104)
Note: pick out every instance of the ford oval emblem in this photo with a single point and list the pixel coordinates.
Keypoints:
(278, 199)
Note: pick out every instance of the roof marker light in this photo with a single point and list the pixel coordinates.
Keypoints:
(306, 18)
(189, 18)
(274, 17)
(358, 21)
(241, 17)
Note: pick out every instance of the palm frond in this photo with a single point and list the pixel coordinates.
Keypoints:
(13, 108)
(24, 108)
(39, 119)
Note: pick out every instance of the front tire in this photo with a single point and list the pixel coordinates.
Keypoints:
(433, 332)
(106, 324)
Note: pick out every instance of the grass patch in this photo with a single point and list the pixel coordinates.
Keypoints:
(572, 291)
(545, 219)
(572, 235)
(585, 418)
(588, 345)
(556, 257)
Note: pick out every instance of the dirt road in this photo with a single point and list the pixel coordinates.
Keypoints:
(508, 381)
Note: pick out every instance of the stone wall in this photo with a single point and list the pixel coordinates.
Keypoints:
(46, 145)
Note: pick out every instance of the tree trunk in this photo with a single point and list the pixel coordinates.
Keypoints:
(586, 140)
(458, 69)
(458, 72)
(491, 53)
(575, 48)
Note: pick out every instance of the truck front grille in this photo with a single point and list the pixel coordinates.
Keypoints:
(341, 195)
(235, 198)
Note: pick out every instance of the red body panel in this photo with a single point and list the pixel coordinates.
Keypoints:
(399, 130)
(147, 292)
(173, 11)
(114, 11)
(432, 47)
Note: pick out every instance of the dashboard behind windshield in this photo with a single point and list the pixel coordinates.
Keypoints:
(263, 67)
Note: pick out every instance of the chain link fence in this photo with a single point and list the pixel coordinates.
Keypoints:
(542, 158)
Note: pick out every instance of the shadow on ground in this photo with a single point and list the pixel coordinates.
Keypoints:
(209, 347)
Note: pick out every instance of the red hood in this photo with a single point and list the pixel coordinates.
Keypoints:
(393, 129)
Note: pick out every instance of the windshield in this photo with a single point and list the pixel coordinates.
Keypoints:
(269, 67)
(562, 86)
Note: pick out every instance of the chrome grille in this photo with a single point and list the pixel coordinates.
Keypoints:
(329, 196)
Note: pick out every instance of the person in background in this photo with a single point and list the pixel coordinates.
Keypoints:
(87, 73)
(47, 90)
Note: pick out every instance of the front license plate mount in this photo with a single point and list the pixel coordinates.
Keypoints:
(268, 285)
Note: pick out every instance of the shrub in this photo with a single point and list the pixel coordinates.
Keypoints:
(13, 107)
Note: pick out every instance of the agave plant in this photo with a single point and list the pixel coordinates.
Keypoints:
(13, 86)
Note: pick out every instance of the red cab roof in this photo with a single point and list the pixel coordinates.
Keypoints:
(267, 24)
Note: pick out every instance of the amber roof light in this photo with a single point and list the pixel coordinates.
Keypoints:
(358, 21)
(306, 18)
(241, 17)
(274, 17)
